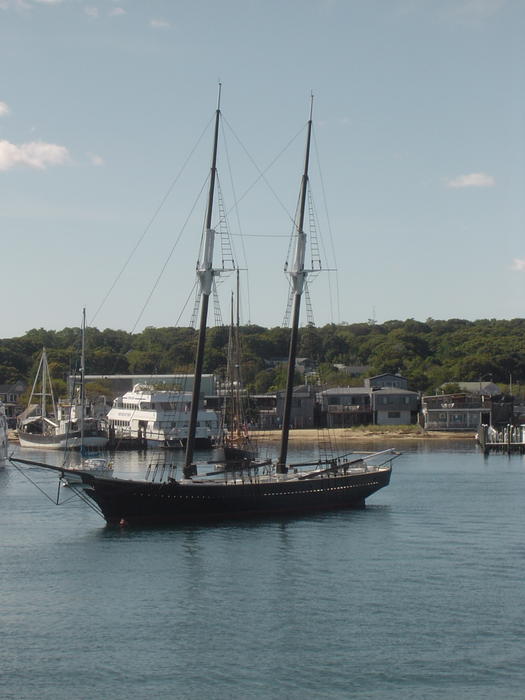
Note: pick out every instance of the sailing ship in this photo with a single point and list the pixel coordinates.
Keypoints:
(49, 425)
(278, 488)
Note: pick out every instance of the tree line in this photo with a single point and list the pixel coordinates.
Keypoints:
(428, 353)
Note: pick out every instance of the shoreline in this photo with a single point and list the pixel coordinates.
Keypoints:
(298, 435)
(361, 435)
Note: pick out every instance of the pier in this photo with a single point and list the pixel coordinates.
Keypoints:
(508, 439)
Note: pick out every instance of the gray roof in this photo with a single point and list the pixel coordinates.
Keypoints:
(388, 374)
(395, 390)
(17, 388)
(338, 390)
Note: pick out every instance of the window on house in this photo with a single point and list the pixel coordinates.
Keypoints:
(394, 414)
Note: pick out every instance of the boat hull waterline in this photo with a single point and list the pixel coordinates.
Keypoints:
(61, 441)
(132, 502)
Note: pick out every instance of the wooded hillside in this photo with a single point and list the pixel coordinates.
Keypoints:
(428, 354)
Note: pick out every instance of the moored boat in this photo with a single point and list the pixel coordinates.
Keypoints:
(159, 418)
(89, 461)
(255, 490)
(48, 425)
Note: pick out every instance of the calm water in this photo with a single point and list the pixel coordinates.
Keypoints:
(419, 596)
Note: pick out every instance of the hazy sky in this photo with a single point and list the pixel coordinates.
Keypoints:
(419, 122)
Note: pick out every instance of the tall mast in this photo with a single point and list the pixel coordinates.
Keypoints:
(42, 373)
(205, 275)
(298, 276)
(237, 361)
(82, 381)
(44, 383)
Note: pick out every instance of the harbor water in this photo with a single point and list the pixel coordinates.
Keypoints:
(418, 596)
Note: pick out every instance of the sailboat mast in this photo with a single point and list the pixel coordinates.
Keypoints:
(82, 381)
(43, 388)
(237, 360)
(298, 277)
(205, 274)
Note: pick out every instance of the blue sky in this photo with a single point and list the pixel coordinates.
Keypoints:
(419, 131)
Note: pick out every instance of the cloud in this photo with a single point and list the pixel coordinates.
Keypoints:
(472, 180)
(4, 109)
(26, 5)
(159, 24)
(518, 265)
(95, 159)
(117, 11)
(36, 154)
(91, 11)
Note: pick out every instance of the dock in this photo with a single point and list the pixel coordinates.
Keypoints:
(507, 439)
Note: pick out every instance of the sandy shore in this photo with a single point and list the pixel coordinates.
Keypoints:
(357, 435)
(360, 435)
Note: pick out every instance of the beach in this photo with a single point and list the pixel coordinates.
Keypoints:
(372, 433)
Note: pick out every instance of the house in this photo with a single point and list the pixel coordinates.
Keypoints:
(342, 407)
(462, 411)
(387, 380)
(265, 408)
(10, 396)
(269, 408)
(303, 406)
(394, 406)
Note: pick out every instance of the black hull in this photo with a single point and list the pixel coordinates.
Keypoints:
(172, 503)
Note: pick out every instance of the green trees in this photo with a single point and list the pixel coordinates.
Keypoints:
(428, 354)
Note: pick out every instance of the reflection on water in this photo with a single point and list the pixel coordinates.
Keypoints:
(417, 596)
(135, 463)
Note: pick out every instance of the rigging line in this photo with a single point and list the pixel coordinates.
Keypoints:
(325, 203)
(163, 268)
(31, 481)
(79, 492)
(190, 295)
(262, 172)
(151, 221)
(325, 253)
(237, 216)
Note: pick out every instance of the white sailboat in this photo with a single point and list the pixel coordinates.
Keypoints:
(90, 462)
(48, 425)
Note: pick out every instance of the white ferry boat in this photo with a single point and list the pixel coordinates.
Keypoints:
(3, 435)
(160, 418)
